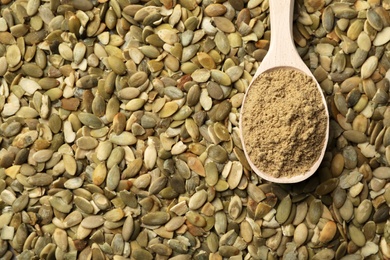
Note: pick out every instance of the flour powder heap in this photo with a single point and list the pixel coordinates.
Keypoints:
(284, 122)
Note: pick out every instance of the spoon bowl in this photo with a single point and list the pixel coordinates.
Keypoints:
(283, 54)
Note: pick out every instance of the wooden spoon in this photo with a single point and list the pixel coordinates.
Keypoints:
(282, 53)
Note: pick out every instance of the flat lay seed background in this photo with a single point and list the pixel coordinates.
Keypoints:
(119, 132)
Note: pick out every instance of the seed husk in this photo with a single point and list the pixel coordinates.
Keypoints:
(40, 179)
(315, 211)
(13, 55)
(92, 222)
(284, 209)
(300, 234)
(357, 235)
(155, 218)
(90, 120)
(197, 200)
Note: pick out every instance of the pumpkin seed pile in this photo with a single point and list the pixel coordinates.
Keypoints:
(119, 132)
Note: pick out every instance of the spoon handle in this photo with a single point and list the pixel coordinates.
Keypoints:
(282, 51)
(281, 14)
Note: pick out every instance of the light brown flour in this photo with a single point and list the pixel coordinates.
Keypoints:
(284, 122)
